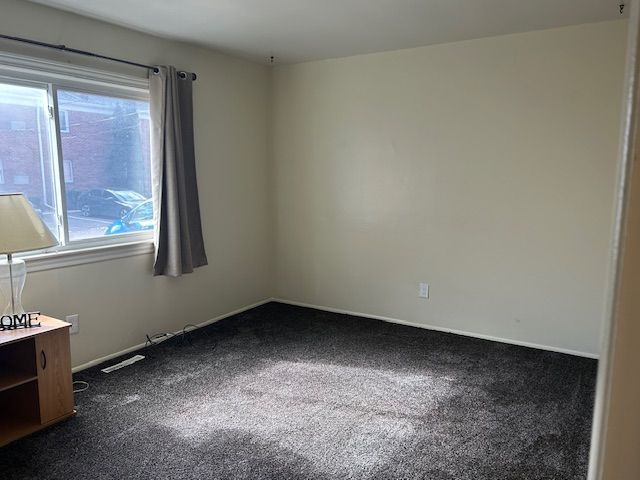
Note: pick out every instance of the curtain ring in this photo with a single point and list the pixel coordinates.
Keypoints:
(184, 76)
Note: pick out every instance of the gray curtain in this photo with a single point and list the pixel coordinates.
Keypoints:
(178, 231)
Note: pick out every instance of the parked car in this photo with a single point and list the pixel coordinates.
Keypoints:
(137, 220)
(103, 202)
(72, 199)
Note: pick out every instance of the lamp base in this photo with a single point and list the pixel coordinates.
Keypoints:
(16, 270)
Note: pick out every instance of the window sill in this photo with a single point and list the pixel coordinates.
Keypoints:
(80, 256)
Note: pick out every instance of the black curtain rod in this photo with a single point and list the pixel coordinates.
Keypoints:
(64, 48)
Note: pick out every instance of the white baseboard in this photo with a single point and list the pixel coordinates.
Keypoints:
(441, 329)
(100, 360)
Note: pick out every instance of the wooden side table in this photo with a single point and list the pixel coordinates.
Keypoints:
(36, 387)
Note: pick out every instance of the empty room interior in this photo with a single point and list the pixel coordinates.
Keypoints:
(359, 239)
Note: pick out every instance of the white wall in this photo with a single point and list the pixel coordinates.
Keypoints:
(118, 301)
(485, 168)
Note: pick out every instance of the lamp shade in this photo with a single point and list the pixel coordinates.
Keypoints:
(21, 229)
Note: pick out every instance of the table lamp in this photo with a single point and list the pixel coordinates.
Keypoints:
(21, 230)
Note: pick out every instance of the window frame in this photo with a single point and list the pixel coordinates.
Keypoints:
(52, 77)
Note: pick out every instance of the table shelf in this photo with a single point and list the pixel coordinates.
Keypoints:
(15, 379)
(35, 378)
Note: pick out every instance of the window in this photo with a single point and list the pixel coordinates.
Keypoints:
(143, 213)
(21, 179)
(99, 164)
(18, 125)
(26, 152)
(64, 121)
(68, 171)
(110, 149)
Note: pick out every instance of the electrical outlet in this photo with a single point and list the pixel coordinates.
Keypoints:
(74, 320)
(423, 290)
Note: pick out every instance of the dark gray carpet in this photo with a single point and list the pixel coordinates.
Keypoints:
(282, 392)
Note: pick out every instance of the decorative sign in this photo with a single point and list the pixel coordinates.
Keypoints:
(19, 320)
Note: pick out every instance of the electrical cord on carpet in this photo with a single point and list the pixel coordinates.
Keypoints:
(186, 334)
(82, 387)
(184, 337)
(157, 338)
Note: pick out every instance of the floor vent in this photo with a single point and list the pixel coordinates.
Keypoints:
(122, 364)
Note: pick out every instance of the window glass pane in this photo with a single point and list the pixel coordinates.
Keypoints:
(25, 149)
(106, 164)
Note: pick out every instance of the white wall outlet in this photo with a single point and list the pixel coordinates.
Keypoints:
(423, 290)
(74, 320)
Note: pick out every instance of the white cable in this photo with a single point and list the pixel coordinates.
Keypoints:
(84, 386)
